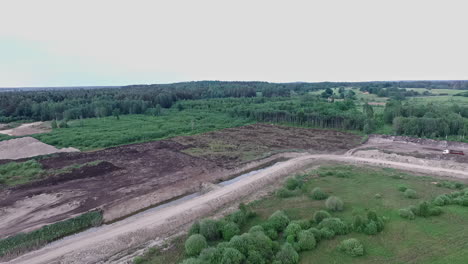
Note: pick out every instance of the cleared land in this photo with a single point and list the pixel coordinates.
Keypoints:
(25, 147)
(133, 177)
(25, 129)
(110, 240)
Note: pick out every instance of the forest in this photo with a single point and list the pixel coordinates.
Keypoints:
(301, 104)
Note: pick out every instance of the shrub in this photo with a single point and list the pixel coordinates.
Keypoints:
(334, 203)
(287, 255)
(195, 228)
(271, 233)
(279, 220)
(402, 188)
(334, 224)
(284, 193)
(229, 230)
(241, 243)
(318, 194)
(371, 228)
(317, 233)
(320, 215)
(292, 183)
(305, 224)
(352, 247)
(410, 193)
(209, 229)
(232, 256)
(406, 213)
(435, 211)
(211, 255)
(255, 257)
(256, 228)
(292, 230)
(306, 240)
(195, 244)
(326, 233)
(358, 223)
(239, 217)
(462, 200)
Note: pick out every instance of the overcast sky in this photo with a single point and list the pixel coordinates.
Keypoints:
(96, 42)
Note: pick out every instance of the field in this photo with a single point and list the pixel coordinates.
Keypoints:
(436, 239)
(97, 133)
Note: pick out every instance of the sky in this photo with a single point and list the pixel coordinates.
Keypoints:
(101, 42)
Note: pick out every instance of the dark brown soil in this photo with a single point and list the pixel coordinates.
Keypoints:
(138, 169)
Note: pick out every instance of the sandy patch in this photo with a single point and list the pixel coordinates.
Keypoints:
(26, 129)
(26, 147)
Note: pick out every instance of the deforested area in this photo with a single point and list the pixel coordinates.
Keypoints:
(233, 132)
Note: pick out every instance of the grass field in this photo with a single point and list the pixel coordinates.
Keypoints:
(96, 133)
(435, 240)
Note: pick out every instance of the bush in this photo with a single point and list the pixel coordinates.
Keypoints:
(326, 233)
(279, 220)
(241, 243)
(255, 257)
(352, 247)
(371, 228)
(334, 203)
(317, 233)
(462, 200)
(406, 213)
(435, 211)
(334, 224)
(358, 223)
(287, 255)
(209, 229)
(195, 228)
(211, 255)
(239, 217)
(229, 230)
(306, 240)
(195, 244)
(318, 194)
(232, 256)
(292, 230)
(320, 215)
(292, 183)
(256, 228)
(305, 224)
(410, 193)
(285, 193)
(271, 233)
(402, 188)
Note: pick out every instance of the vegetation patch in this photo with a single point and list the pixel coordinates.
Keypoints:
(23, 242)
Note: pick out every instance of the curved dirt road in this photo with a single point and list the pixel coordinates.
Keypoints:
(98, 246)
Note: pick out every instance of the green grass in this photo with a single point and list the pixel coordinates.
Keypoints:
(15, 245)
(96, 133)
(15, 173)
(434, 240)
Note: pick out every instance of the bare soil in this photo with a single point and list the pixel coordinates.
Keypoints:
(25, 147)
(137, 176)
(26, 129)
(99, 245)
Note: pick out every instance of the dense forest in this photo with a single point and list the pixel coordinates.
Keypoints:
(292, 103)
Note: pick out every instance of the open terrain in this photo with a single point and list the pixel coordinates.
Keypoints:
(112, 239)
(130, 178)
(133, 177)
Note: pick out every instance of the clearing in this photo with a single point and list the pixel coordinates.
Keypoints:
(133, 177)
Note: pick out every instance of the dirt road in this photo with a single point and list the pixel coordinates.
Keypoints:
(98, 245)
